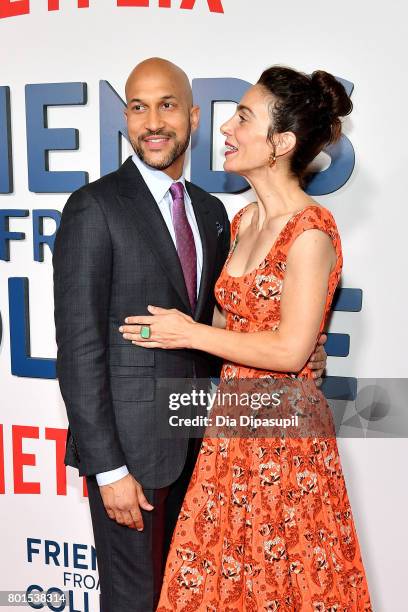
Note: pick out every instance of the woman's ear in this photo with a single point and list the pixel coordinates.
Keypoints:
(285, 143)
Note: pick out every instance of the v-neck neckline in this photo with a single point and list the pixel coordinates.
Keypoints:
(270, 250)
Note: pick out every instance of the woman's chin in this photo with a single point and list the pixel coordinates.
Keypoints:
(229, 166)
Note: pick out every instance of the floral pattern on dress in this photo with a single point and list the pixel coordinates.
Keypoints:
(266, 523)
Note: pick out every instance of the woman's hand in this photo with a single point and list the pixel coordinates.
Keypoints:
(169, 329)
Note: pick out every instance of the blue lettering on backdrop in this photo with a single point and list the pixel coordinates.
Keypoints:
(209, 91)
(338, 345)
(6, 173)
(41, 139)
(39, 238)
(22, 363)
(61, 554)
(345, 300)
(57, 600)
(112, 127)
(5, 234)
(206, 93)
(342, 162)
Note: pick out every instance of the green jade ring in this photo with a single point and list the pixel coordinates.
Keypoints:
(145, 332)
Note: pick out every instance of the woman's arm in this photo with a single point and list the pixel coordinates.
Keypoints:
(304, 293)
(303, 301)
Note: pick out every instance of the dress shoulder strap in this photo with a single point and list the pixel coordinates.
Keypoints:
(315, 217)
(236, 221)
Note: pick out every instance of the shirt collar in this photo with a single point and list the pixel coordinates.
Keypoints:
(157, 181)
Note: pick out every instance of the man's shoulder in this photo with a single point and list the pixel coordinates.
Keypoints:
(105, 188)
(100, 188)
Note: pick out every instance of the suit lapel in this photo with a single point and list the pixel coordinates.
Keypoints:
(208, 235)
(134, 192)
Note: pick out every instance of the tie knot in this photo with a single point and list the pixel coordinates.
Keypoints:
(177, 191)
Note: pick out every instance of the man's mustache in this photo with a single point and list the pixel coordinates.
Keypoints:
(159, 133)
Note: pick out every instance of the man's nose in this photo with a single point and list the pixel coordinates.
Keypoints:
(154, 120)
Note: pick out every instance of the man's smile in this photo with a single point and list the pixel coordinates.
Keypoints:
(155, 143)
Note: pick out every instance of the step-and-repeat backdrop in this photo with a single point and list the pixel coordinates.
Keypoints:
(64, 64)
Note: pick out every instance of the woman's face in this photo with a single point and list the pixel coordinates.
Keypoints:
(248, 148)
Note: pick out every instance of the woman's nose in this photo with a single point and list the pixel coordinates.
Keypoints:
(224, 129)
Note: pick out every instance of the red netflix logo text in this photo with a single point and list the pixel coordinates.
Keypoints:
(19, 459)
(12, 8)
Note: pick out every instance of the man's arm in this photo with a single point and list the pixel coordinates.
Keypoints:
(82, 283)
(111, 476)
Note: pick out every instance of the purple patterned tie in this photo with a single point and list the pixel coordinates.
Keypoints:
(185, 242)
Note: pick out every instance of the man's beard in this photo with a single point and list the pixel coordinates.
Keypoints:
(179, 148)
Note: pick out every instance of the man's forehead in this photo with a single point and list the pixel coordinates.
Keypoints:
(139, 97)
(148, 88)
(158, 78)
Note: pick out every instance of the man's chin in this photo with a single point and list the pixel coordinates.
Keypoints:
(155, 160)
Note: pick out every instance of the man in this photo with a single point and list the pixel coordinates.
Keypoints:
(141, 235)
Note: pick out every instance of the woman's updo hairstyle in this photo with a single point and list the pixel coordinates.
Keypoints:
(308, 106)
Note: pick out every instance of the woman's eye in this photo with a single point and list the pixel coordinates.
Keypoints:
(241, 118)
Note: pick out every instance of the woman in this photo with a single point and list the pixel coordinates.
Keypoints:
(266, 523)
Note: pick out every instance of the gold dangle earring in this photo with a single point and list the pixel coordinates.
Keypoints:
(272, 157)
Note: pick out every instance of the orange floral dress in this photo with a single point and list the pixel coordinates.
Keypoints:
(266, 522)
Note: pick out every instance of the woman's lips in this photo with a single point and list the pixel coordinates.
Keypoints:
(230, 149)
(155, 144)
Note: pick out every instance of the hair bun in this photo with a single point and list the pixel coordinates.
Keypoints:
(334, 98)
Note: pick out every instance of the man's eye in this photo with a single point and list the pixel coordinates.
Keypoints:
(168, 105)
(137, 107)
(241, 118)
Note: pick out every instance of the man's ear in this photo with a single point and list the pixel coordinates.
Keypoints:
(195, 117)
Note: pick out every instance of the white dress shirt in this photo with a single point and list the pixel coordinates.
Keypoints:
(159, 184)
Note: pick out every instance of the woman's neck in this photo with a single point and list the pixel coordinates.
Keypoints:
(277, 194)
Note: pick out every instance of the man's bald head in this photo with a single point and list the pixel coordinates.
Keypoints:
(161, 71)
(160, 114)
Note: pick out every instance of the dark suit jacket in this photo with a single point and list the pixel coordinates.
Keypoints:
(113, 256)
